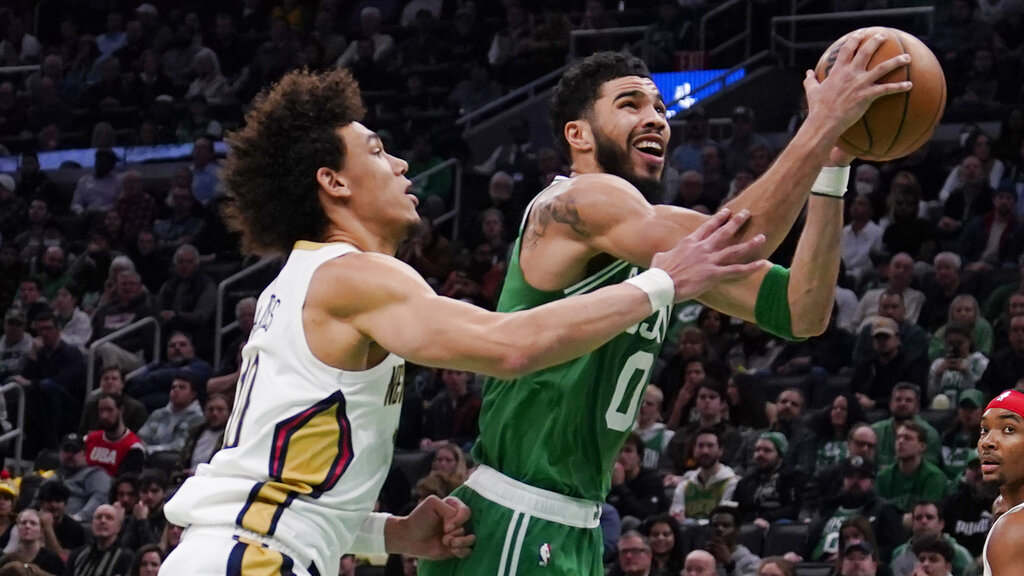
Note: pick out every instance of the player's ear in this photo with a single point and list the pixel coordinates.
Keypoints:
(579, 135)
(332, 182)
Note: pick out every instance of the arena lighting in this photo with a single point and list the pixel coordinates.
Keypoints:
(677, 88)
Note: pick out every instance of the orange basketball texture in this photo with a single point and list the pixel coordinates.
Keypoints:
(897, 124)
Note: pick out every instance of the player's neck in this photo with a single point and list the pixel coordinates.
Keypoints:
(1013, 494)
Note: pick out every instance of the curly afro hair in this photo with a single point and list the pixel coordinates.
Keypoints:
(578, 89)
(270, 173)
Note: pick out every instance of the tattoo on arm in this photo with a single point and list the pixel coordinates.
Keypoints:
(560, 210)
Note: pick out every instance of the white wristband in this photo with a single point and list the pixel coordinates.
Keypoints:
(658, 285)
(832, 181)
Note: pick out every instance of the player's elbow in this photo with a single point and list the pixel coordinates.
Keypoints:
(515, 362)
(810, 323)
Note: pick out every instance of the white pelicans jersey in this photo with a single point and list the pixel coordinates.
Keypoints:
(984, 553)
(307, 446)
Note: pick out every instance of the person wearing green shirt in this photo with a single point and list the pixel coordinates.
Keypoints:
(911, 478)
(905, 405)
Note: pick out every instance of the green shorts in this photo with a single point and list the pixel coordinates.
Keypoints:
(513, 542)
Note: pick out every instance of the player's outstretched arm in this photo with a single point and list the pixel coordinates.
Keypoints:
(777, 197)
(435, 529)
(386, 302)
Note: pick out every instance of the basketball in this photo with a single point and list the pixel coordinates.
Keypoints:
(897, 124)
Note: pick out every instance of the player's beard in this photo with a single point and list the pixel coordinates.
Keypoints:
(615, 160)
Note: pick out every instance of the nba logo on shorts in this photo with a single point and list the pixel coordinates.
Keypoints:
(545, 554)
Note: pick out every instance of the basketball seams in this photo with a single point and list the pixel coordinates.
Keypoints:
(906, 98)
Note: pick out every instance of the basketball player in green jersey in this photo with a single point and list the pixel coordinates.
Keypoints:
(548, 440)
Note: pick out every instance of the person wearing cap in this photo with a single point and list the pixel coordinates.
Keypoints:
(89, 485)
(875, 376)
(1006, 367)
(772, 490)
(928, 523)
(858, 559)
(12, 209)
(861, 441)
(1001, 448)
(744, 139)
(989, 240)
(8, 505)
(914, 340)
(856, 497)
(960, 442)
(14, 346)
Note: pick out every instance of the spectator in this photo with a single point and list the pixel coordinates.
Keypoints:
(54, 381)
(861, 441)
(928, 523)
(914, 340)
(369, 29)
(939, 294)
(475, 91)
(687, 156)
(986, 240)
(61, 533)
(15, 345)
(19, 47)
(29, 549)
(98, 191)
(206, 439)
(188, 300)
(209, 82)
(146, 522)
(667, 547)
(453, 413)
(89, 485)
(8, 514)
(735, 558)
(153, 384)
(861, 239)
(54, 271)
(935, 557)
(968, 510)
(114, 37)
(40, 231)
(710, 405)
(960, 443)
(166, 429)
(651, 430)
(112, 383)
(635, 491)
(789, 421)
(634, 555)
(1006, 368)
(743, 141)
(904, 405)
(699, 563)
(709, 485)
(12, 207)
(900, 273)
(135, 205)
(772, 490)
(451, 461)
(113, 447)
(182, 226)
(856, 496)
(75, 325)
(147, 561)
(104, 556)
(150, 263)
(831, 427)
(775, 566)
(911, 477)
(30, 301)
(858, 559)
(131, 304)
(205, 170)
(875, 377)
(960, 369)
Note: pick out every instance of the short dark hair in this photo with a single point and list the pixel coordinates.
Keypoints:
(938, 507)
(153, 476)
(709, 432)
(53, 491)
(935, 544)
(578, 89)
(908, 386)
(118, 400)
(730, 510)
(636, 441)
(915, 428)
(270, 171)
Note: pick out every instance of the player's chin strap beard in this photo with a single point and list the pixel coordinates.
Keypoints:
(615, 161)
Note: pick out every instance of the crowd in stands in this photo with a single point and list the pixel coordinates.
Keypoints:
(853, 450)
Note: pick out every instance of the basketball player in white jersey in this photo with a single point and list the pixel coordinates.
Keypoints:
(1001, 448)
(309, 441)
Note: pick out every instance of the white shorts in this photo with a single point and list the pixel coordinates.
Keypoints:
(223, 551)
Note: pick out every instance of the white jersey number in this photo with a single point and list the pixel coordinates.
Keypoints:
(631, 386)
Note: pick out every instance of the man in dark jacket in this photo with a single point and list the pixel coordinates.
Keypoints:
(636, 491)
(773, 489)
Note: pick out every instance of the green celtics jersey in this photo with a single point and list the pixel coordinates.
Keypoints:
(561, 428)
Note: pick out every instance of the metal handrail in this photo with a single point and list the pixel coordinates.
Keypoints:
(18, 432)
(713, 13)
(455, 212)
(617, 31)
(792, 45)
(11, 70)
(527, 91)
(90, 377)
(219, 328)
